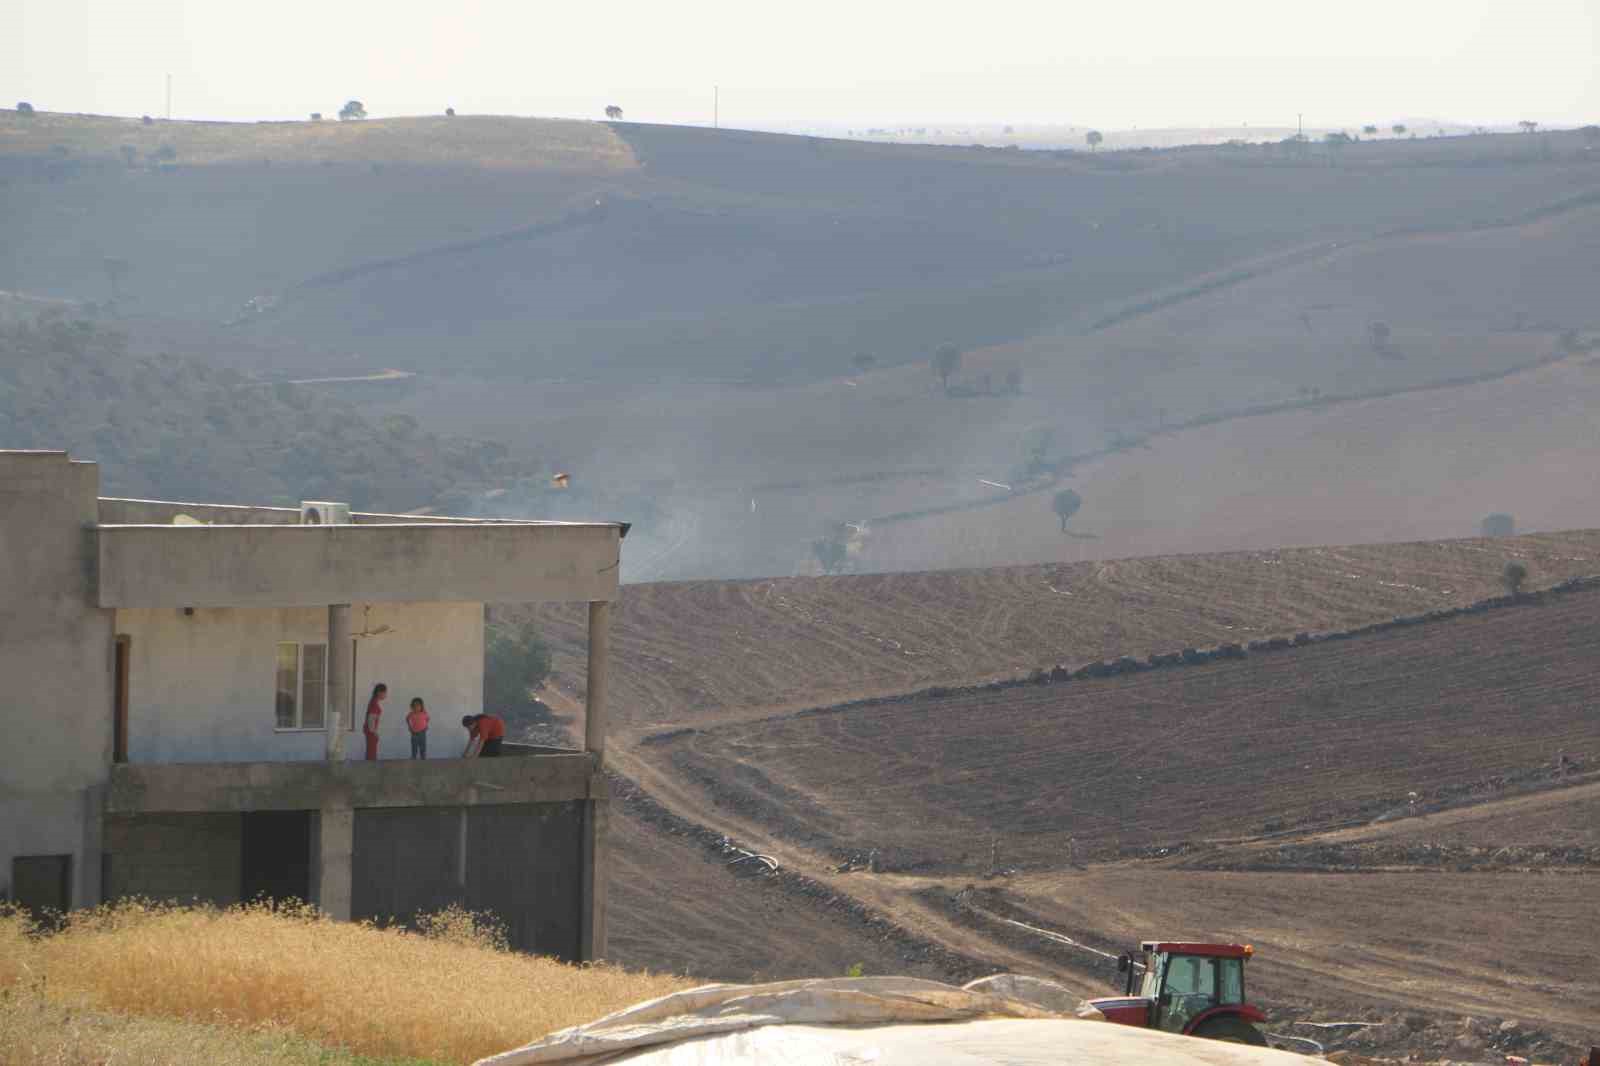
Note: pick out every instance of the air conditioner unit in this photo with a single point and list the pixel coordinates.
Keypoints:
(324, 513)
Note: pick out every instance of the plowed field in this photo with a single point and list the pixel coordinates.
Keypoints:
(1341, 730)
(1486, 946)
(695, 653)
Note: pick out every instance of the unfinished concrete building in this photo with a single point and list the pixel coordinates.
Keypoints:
(180, 680)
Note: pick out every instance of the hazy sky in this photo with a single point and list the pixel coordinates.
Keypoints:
(1115, 64)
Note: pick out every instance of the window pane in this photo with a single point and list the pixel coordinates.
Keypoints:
(288, 684)
(1232, 980)
(314, 688)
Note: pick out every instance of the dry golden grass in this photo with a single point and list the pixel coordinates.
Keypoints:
(37, 1032)
(475, 140)
(453, 994)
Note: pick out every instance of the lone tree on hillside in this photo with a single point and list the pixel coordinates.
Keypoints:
(24, 108)
(515, 664)
(833, 549)
(1528, 126)
(1370, 131)
(117, 270)
(1094, 137)
(946, 361)
(449, 112)
(613, 112)
(353, 109)
(1398, 128)
(1513, 577)
(1065, 505)
(1498, 524)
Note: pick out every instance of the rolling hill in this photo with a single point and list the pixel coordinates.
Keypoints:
(723, 335)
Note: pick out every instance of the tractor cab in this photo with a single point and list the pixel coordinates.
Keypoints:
(1188, 988)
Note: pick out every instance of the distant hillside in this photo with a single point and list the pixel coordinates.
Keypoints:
(178, 427)
(490, 141)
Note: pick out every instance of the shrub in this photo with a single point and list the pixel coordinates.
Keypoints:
(1514, 576)
(1498, 525)
(24, 108)
(449, 112)
(353, 109)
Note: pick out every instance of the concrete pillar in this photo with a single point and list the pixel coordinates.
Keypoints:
(333, 845)
(340, 671)
(592, 921)
(594, 719)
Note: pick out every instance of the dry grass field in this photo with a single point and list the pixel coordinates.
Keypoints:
(490, 141)
(453, 994)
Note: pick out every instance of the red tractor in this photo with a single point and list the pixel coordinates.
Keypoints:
(1193, 989)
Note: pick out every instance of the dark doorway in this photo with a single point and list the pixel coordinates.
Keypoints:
(42, 885)
(275, 856)
(119, 707)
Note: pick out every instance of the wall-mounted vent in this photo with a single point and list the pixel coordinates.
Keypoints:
(324, 513)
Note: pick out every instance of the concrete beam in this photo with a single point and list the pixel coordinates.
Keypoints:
(594, 718)
(311, 566)
(140, 788)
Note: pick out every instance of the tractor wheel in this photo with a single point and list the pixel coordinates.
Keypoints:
(1231, 1028)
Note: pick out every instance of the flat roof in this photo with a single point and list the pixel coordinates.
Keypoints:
(292, 565)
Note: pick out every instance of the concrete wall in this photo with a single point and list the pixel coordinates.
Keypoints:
(201, 687)
(55, 664)
(289, 786)
(122, 512)
(523, 863)
(176, 857)
(293, 566)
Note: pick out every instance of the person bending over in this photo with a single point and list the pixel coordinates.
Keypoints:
(484, 734)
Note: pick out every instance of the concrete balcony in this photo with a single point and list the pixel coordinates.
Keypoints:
(306, 566)
(174, 788)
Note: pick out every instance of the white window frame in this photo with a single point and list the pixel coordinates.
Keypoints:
(300, 647)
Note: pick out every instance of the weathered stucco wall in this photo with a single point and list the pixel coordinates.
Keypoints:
(294, 566)
(55, 664)
(202, 686)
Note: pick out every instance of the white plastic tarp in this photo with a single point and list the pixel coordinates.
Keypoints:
(888, 1021)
